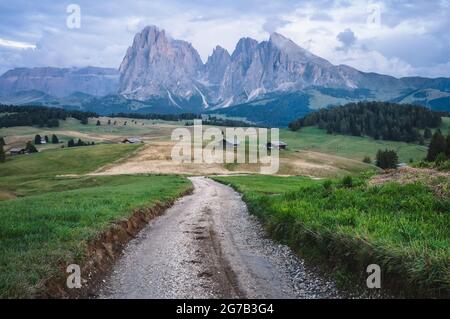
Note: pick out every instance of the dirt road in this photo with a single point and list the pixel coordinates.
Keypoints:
(208, 246)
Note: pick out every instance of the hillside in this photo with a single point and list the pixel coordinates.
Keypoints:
(379, 120)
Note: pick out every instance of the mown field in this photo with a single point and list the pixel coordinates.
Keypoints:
(41, 172)
(315, 139)
(402, 228)
(55, 217)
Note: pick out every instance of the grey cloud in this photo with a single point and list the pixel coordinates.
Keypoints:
(321, 16)
(273, 24)
(347, 38)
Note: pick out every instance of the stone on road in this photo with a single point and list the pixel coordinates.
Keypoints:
(208, 246)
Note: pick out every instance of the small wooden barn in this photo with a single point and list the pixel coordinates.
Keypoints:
(17, 151)
(132, 140)
(230, 142)
(277, 145)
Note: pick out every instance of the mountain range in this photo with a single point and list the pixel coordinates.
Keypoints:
(269, 82)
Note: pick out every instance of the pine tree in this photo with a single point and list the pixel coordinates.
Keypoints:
(387, 159)
(438, 145)
(71, 143)
(55, 139)
(37, 139)
(2, 141)
(447, 150)
(427, 133)
(30, 148)
(98, 123)
(46, 139)
(2, 154)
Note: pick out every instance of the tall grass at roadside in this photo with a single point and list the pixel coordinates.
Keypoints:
(403, 228)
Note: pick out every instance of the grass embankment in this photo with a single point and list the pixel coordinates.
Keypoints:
(59, 216)
(402, 228)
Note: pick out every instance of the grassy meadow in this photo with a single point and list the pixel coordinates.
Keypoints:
(317, 140)
(47, 219)
(402, 228)
(39, 233)
(40, 172)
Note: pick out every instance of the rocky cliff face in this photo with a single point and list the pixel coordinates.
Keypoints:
(275, 65)
(158, 66)
(216, 65)
(60, 82)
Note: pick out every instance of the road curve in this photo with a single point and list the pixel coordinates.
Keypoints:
(208, 246)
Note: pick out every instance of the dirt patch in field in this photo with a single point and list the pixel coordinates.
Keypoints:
(102, 252)
(438, 181)
(5, 195)
(155, 158)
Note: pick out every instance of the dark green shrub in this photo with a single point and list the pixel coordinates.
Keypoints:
(2, 154)
(387, 159)
(367, 160)
(30, 148)
(347, 181)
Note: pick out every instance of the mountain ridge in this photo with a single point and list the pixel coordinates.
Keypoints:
(168, 75)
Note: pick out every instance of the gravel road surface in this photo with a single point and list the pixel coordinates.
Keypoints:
(208, 246)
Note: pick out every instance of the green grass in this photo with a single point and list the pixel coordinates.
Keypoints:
(72, 124)
(39, 233)
(37, 173)
(59, 215)
(402, 228)
(265, 184)
(445, 127)
(315, 139)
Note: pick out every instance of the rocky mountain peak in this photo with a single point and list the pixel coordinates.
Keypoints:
(245, 46)
(156, 65)
(219, 53)
(216, 65)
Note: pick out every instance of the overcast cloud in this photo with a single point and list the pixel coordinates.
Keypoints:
(394, 37)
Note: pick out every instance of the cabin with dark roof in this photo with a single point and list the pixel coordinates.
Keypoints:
(17, 151)
(132, 140)
(230, 142)
(276, 144)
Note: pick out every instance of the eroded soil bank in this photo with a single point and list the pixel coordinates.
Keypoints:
(102, 252)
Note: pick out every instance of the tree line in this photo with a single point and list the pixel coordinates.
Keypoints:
(219, 121)
(379, 120)
(155, 116)
(39, 116)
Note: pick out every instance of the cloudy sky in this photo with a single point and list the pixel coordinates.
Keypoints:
(394, 37)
